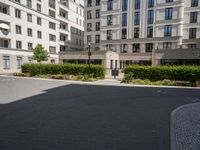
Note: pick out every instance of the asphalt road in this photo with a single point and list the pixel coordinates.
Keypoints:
(54, 115)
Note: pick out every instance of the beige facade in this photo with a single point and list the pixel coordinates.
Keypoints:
(135, 28)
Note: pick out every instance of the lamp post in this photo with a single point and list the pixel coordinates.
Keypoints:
(89, 54)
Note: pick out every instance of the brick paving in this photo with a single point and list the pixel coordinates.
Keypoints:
(186, 127)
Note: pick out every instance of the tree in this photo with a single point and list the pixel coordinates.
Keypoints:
(40, 54)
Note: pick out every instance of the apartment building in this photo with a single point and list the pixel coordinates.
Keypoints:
(138, 29)
(55, 24)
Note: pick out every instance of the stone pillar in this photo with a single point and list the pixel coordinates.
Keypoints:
(142, 48)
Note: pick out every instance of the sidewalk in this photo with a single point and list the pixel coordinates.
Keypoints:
(185, 127)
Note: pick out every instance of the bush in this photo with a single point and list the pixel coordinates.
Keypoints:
(159, 73)
(67, 69)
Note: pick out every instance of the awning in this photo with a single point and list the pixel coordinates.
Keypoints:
(4, 26)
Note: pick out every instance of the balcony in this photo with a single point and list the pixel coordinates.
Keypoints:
(65, 3)
(4, 29)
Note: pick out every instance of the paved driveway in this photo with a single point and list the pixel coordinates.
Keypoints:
(54, 115)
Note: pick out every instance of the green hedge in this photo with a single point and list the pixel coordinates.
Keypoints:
(68, 69)
(158, 73)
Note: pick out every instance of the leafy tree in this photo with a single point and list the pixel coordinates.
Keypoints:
(40, 54)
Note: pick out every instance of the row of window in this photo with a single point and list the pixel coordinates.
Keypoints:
(150, 3)
(52, 49)
(52, 4)
(7, 64)
(19, 61)
(167, 32)
(89, 3)
(30, 33)
(89, 14)
(97, 38)
(97, 26)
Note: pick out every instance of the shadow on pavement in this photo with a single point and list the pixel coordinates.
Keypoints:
(89, 117)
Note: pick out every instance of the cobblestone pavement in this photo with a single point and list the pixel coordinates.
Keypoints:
(185, 128)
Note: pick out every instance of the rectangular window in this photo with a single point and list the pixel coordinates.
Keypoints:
(109, 20)
(150, 18)
(52, 49)
(167, 30)
(98, 13)
(52, 13)
(168, 13)
(150, 3)
(193, 17)
(124, 33)
(17, 13)
(192, 45)
(124, 5)
(124, 19)
(30, 46)
(29, 17)
(97, 2)
(137, 4)
(110, 5)
(150, 32)
(52, 37)
(89, 3)
(39, 21)
(39, 7)
(89, 14)
(29, 32)
(149, 47)
(18, 44)
(194, 3)
(30, 59)
(124, 48)
(6, 62)
(52, 25)
(52, 4)
(39, 34)
(136, 48)
(18, 29)
(19, 62)
(29, 3)
(97, 39)
(97, 26)
(109, 34)
(89, 27)
(192, 33)
(137, 18)
(136, 32)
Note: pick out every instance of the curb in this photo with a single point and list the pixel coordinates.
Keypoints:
(107, 84)
(173, 138)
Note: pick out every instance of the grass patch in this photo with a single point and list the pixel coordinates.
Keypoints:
(163, 82)
(86, 78)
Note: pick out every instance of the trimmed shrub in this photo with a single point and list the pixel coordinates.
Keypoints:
(67, 69)
(159, 73)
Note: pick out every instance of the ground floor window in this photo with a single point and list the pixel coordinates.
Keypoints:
(6, 62)
(180, 61)
(19, 62)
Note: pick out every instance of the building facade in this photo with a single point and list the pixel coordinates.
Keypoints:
(56, 25)
(136, 29)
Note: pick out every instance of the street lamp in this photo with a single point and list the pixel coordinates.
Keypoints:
(89, 53)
